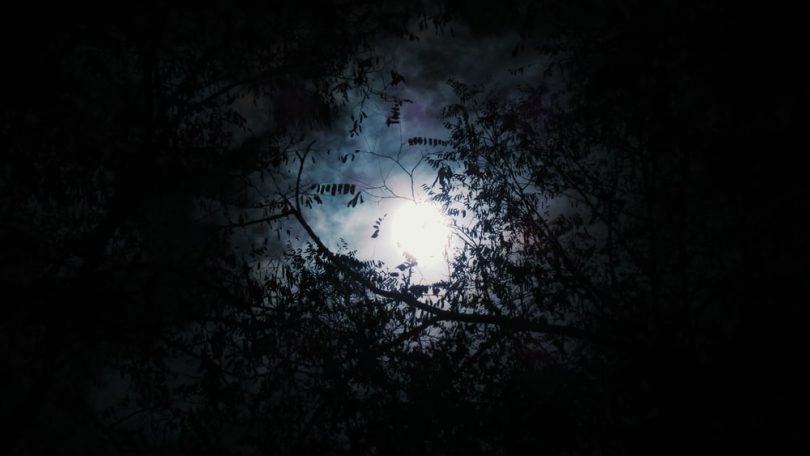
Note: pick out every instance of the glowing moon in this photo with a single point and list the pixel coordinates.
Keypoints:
(421, 231)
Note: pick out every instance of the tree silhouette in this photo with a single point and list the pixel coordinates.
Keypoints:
(113, 134)
(615, 277)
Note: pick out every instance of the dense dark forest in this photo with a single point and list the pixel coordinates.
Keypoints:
(661, 312)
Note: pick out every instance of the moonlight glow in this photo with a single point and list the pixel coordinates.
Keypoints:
(420, 230)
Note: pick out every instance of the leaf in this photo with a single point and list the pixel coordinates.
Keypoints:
(419, 289)
(396, 78)
(353, 202)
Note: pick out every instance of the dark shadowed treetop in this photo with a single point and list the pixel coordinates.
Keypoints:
(624, 279)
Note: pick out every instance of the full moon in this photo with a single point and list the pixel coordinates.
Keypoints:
(421, 231)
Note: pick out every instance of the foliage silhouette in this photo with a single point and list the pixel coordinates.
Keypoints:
(616, 258)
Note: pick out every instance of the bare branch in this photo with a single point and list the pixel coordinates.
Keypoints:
(515, 324)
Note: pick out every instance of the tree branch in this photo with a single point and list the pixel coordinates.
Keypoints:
(515, 324)
(280, 215)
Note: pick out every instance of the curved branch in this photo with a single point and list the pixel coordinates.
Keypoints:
(270, 218)
(302, 158)
(515, 324)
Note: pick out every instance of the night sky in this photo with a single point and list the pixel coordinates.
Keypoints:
(199, 227)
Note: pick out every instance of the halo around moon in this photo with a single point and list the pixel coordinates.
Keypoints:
(420, 231)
